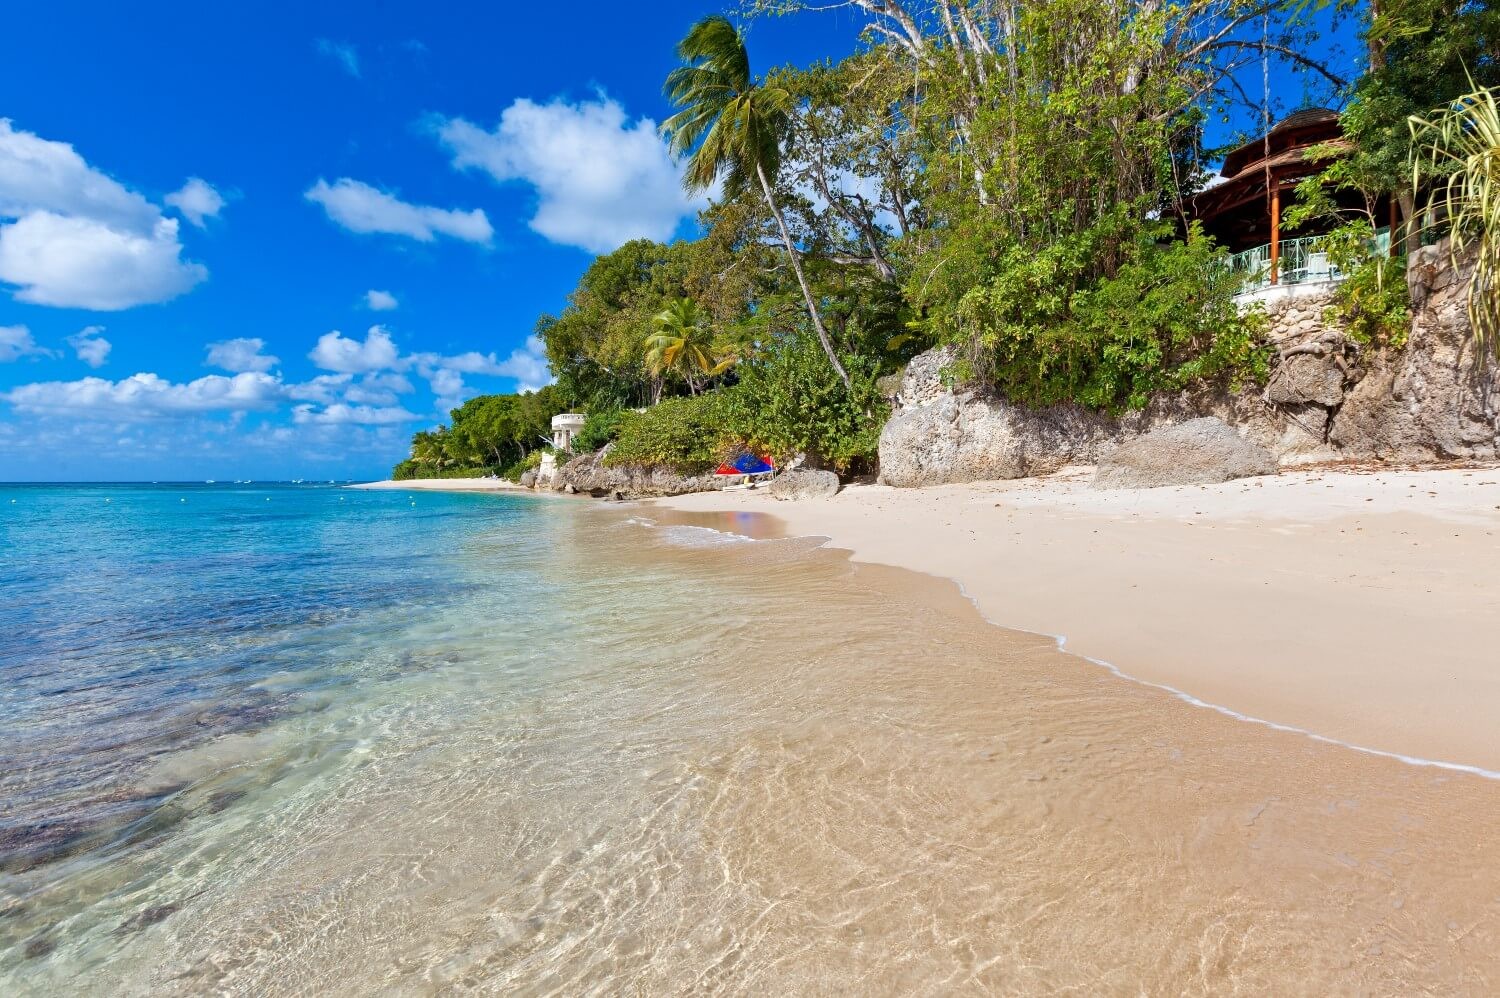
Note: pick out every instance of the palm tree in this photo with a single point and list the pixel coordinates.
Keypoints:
(732, 125)
(1460, 144)
(682, 343)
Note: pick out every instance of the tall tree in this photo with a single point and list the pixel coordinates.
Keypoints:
(682, 343)
(730, 125)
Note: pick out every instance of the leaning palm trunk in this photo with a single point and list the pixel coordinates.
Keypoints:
(1463, 141)
(807, 295)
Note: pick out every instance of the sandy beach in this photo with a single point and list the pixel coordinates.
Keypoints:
(1362, 607)
(446, 485)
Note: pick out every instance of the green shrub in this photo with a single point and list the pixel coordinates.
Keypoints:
(787, 402)
(530, 462)
(409, 469)
(598, 429)
(1372, 303)
(688, 435)
(1043, 332)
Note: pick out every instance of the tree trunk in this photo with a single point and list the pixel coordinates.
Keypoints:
(791, 249)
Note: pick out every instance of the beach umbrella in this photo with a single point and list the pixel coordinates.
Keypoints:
(747, 464)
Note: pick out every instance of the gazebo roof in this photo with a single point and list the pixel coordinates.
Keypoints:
(1309, 126)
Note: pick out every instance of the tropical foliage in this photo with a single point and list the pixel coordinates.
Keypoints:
(1007, 179)
(1461, 145)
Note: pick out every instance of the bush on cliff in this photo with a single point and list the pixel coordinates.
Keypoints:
(687, 435)
(1043, 331)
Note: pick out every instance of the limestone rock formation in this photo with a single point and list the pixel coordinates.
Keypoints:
(588, 474)
(1436, 399)
(1307, 379)
(939, 436)
(1198, 451)
(804, 483)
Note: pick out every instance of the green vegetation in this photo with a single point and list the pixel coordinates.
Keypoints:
(1461, 144)
(1006, 179)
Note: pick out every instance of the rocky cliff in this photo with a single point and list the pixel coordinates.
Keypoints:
(1327, 400)
(588, 474)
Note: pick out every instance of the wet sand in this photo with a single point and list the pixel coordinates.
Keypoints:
(1363, 607)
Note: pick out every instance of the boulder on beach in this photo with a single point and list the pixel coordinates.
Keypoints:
(1199, 451)
(804, 483)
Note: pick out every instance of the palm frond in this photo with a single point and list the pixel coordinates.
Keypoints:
(1461, 144)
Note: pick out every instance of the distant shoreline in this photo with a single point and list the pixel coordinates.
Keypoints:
(446, 485)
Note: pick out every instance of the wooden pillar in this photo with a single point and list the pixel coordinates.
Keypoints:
(1275, 231)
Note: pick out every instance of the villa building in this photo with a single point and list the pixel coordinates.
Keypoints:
(1243, 209)
(565, 426)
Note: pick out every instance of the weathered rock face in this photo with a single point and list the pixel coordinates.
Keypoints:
(1307, 379)
(588, 474)
(1198, 451)
(804, 483)
(1435, 399)
(528, 478)
(1432, 400)
(938, 436)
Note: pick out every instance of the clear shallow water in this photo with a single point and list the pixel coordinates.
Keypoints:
(496, 744)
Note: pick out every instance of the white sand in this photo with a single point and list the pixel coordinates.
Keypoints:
(1360, 606)
(447, 485)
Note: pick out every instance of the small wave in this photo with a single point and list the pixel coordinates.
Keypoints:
(701, 537)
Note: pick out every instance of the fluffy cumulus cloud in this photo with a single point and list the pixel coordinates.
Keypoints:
(342, 414)
(16, 342)
(600, 179)
(148, 396)
(197, 201)
(337, 352)
(359, 207)
(90, 347)
(527, 365)
(73, 237)
(245, 353)
(364, 389)
(380, 301)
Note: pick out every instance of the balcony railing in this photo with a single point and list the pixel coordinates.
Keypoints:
(1301, 261)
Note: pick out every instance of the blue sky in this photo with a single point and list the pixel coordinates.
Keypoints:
(272, 240)
(181, 180)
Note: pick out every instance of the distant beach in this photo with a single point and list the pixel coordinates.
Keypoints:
(444, 485)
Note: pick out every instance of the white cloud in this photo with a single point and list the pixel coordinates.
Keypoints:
(323, 389)
(363, 415)
(74, 262)
(600, 180)
(378, 389)
(344, 53)
(380, 301)
(38, 174)
(526, 364)
(148, 396)
(197, 201)
(359, 207)
(72, 237)
(336, 352)
(89, 346)
(240, 355)
(16, 342)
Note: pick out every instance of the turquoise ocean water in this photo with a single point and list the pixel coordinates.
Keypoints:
(173, 654)
(309, 739)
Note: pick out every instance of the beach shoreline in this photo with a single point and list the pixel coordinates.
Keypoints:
(1356, 606)
(444, 485)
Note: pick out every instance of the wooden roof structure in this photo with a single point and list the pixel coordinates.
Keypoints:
(1244, 208)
